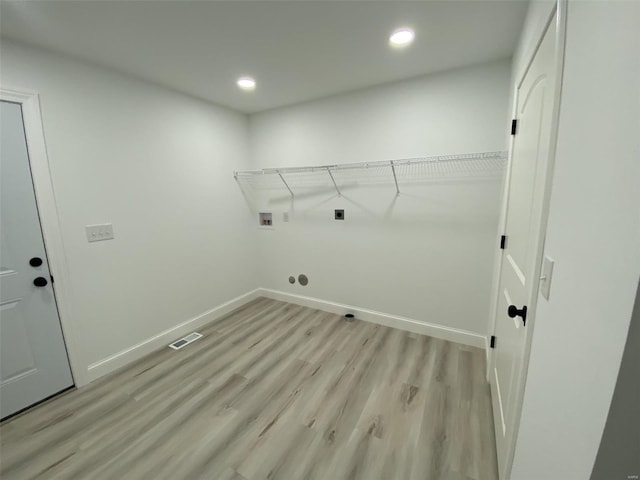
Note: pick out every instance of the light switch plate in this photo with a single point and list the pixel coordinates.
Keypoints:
(545, 276)
(97, 233)
(285, 217)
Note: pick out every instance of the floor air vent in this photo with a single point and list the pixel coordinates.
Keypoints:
(192, 337)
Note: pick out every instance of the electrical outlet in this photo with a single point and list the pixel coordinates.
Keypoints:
(97, 233)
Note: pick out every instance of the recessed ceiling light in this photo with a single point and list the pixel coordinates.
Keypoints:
(402, 37)
(246, 83)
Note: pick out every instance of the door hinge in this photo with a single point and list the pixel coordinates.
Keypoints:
(493, 341)
(514, 126)
(51, 279)
(503, 241)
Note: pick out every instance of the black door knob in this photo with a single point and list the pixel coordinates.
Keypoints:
(40, 282)
(513, 312)
(35, 262)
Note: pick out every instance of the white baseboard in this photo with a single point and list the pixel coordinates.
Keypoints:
(139, 350)
(438, 331)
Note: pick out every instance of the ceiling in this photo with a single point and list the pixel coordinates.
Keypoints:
(297, 51)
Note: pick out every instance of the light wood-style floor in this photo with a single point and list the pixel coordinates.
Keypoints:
(273, 391)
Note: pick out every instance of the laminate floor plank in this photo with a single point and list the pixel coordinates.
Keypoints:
(272, 391)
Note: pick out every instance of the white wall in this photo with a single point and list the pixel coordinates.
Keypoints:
(157, 164)
(427, 254)
(594, 236)
(618, 452)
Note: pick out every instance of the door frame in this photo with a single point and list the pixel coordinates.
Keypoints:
(559, 9)
(49, 222)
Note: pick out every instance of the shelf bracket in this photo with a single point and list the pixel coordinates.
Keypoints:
(334, 181)
(395, 178)
(285, 182)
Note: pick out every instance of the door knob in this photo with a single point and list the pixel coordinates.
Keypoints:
(513, 312)
(40, 282)
(35, 262)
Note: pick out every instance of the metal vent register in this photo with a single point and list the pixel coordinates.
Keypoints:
(184, 341)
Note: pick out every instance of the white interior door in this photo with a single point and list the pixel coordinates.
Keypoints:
(33, 357)
(519, 276)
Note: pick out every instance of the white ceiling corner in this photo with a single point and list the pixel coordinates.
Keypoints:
(297, 51)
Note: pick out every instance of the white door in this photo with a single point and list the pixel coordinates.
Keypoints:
(33, 357)
(519, 275)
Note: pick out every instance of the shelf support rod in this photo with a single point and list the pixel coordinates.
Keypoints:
(395, 178)
(334, 181)
(285, 182)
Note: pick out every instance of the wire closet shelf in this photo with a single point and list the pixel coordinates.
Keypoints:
(398, 172)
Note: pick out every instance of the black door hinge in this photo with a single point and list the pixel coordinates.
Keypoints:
(514, 126)
(493, 341)
(51, 278)
(503, 241)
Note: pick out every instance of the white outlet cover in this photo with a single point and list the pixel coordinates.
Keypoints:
(285, 217)
(100, 232)
(545, 276)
